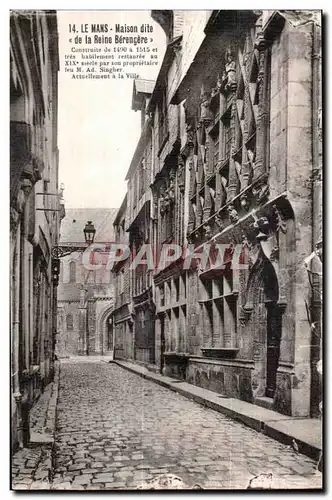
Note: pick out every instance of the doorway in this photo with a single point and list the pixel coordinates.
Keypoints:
(274, 323)
(162, 342)
(109, 334)
(262, 303)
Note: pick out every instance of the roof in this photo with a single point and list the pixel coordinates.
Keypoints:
(210, 50)
(72, 225)
(140, 88)
(121, 211)
(167, 61)
(144, 86)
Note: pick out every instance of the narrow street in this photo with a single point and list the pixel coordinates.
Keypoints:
(117, 430)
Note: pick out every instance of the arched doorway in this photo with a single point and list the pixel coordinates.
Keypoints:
(109, 329)
(273, 339)
(265, 325)
(105, 330)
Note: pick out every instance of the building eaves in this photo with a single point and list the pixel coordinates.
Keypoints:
(51, 19)
(121, 211)
(141, 88)
(168, 58)
(220, 21)
(169, 54)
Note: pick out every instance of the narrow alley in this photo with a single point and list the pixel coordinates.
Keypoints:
(116, 430)
(173, 339)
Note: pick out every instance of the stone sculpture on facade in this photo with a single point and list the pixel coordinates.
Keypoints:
(230, 71)
(233, 215)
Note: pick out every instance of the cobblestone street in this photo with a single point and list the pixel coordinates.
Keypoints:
(116, 430)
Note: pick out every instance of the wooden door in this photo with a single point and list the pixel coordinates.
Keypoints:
(273, 348)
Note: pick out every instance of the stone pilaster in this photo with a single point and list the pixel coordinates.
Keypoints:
(261, 126)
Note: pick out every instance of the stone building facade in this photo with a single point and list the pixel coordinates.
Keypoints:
(235, 119)
(252, 126)
(122, 318)
(139, 227)
(85, 296)
(36, 210)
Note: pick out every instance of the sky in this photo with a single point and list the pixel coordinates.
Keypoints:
(98, 130)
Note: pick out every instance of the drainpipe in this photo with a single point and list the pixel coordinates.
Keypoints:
(24, 370)
(16, 334)
(29, 311)
(87, 329)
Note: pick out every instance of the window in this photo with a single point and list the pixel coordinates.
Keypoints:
(215, 146)
(69, 322)
(219, 310)
(142, 169)
(226, 133)
(45, 195)
(121, 282)
(72, 272)
(184, 285)
(163, 119)
(162, 295)
(177, 289)
(135, 189)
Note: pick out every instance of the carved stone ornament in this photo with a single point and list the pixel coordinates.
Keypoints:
(155, 202)
(181, 174)
(260, 42)
(281, 223)
(232, 244)
(245, 242)
(23, 194)
(207, 231)
(218, 220)
(262, 227)
(233, 215)
(244, 202)
(244, 316)
(230, 71)
(162, 207)
(261, 192)
(216, 89)
(189, 237)
(190, 132)
(251, 161)
(14, 218)
(274, 253)
(167, 200)
(36, 285)
(206, 114)
(171, 190)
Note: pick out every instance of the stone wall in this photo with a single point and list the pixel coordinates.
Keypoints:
(68, 341)
(91, 329)
(289, 168)
(104, 309)
(229, 378)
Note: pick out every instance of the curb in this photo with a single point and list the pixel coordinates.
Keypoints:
(265, 421)
(43, 475)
